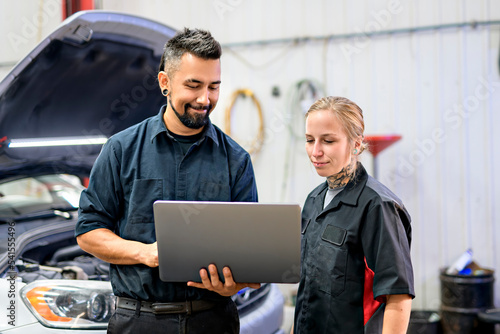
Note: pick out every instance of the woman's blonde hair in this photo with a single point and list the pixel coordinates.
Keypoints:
(348, 113)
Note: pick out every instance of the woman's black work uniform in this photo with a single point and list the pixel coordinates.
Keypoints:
(354, 252)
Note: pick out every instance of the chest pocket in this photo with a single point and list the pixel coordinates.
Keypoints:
(144, 193)
(140, 217)
(331, 261)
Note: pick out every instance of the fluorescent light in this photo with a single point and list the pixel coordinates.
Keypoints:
(57, 141)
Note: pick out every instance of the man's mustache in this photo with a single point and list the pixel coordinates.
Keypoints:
(207, 107)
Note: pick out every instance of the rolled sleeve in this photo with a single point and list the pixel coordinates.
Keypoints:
(100, 202)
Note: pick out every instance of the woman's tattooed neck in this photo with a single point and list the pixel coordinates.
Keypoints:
(341, 178)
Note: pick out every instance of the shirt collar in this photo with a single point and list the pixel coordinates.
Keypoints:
(349, 195)
(159, 126)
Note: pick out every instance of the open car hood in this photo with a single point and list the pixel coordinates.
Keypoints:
(95, 75)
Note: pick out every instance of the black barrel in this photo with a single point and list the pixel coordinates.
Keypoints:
(462, 298)
(489, 319)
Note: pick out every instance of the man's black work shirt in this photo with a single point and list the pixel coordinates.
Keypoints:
(145, 163)
(355, 251)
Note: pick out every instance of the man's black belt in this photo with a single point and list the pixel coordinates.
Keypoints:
(187, 307)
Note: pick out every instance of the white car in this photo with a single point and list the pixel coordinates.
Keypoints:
(92, 77)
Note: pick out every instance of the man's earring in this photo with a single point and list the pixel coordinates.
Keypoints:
(355, 151)
(164, 92)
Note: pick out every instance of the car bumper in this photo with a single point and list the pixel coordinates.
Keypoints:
(266, 319)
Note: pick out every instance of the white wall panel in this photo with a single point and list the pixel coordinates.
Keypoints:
(22, 25)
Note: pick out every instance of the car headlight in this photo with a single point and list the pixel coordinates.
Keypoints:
(70, 304)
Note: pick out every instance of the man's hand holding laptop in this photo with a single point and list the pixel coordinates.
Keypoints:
(212, 282)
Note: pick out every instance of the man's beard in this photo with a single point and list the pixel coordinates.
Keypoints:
(192, 121)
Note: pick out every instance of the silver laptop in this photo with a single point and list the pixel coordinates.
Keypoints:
(259, 242)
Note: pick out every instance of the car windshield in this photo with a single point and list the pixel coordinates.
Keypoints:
(29, 195)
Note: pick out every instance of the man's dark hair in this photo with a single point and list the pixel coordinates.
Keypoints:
(199, 43)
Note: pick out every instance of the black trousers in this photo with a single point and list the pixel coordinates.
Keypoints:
(222, 319)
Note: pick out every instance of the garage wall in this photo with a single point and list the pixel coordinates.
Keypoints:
(413, 68)
(22, 25)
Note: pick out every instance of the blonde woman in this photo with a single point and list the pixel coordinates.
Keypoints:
(356, 274)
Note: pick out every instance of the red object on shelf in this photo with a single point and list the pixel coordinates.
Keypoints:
(378, 143)
(70, 7)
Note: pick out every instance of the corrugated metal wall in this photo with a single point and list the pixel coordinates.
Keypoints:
(23, 24)
(437, 87)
